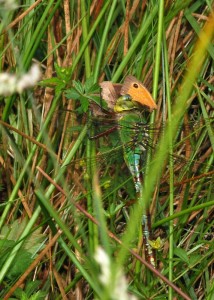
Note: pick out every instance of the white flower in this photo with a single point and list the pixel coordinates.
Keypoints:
(11, 83)
(115, 283)
(7, 84)
(29, 79)
(120, 289)
(105, 265)
(8, 4)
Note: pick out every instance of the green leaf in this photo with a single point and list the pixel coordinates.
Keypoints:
(95, 88)
(5, 247)
(51, 82)
(31, 291)
(22, 262)
(194, 259)
(98, 101)
(62, 73)
(38, 296)
(89, 84)
(32, 287)
(18, 293)
(78, 86)
(54, 82)
(34, 242)
(24, 296)
(182, 254)
(72, 94)
(13, 232)
(59, 88)
(84, 103)
(8, 240)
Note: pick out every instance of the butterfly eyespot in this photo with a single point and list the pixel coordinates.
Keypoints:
(135, 85)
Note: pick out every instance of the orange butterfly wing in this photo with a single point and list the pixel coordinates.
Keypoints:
(138, 92)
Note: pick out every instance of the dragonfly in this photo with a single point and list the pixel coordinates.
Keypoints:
(127, 102)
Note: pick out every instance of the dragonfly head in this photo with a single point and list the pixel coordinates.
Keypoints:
(125, 103)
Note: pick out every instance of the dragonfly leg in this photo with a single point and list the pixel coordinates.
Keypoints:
(106, 132)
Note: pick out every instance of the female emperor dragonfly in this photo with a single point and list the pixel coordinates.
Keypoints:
(127, 101)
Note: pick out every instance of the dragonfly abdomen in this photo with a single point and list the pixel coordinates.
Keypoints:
(147, 235)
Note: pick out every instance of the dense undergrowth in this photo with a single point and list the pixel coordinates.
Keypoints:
(57, 184)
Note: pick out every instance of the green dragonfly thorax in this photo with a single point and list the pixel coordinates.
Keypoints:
(125, 103)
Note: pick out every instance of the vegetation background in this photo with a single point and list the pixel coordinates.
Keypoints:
(51, 194)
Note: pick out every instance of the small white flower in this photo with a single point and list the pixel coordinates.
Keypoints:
(115, 283)
(103, 260)
(35, 72)
(29, 79)
(8, 4)
(7, 84)
(120, 290)
(11, 83)
(23, 83)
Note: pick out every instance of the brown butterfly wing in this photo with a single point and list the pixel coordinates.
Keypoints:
(128, 82)
(110, 92)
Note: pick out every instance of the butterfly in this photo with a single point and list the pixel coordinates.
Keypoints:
(132, 94)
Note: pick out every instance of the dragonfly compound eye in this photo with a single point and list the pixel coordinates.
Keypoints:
(127, 97)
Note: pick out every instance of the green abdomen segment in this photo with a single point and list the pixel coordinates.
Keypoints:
(134, 144)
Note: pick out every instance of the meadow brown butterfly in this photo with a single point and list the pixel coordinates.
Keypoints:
(131, 86)
(138, 92)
